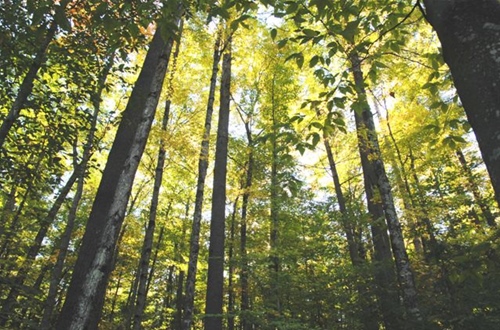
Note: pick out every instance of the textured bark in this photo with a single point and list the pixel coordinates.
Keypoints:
(469, 31)
(149, 235)
(385, 276)
(215, 280)
(369, 142)
(85, 298)
(194, 246)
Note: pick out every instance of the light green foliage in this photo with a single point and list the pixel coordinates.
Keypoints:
(292, 84)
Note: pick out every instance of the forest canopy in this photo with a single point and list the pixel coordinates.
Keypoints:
(246, 165)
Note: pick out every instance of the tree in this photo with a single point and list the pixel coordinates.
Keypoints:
(85, 297)
(215, 279)
(469, 35)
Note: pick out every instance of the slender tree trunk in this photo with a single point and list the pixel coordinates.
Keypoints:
(215, 280)
(194, 246)
(231, 261)
(85, 298)
(274, 265)
(469, 35)
(369, 321)
(27, 85)
(369, 141)
(245, 301)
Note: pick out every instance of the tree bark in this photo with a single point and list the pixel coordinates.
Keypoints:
(149, 235)
(215, 281)
(85, 297)
(369, 320)
(194, 246)
(469, 31)
(369, 143)
(245, 300)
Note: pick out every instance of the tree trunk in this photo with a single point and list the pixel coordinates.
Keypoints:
(230, 286)
(469, 31)
(85, 298)
(369, 319)
(274, 264)
(194, 246)
(369, 143)
(215, 280)
(245, 301)
(149, 235)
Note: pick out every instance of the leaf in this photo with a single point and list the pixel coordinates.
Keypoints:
(350, 31)
(282, 43)
(314, 60)
(315, 138)
(274, 33)
(310, 33)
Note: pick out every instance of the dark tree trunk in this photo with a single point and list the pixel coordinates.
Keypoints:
(469, 31)
(245, 300)
(231, 262)
(215, 280)
(368, 143)
(149, 235)
(194, 246)
(369, 318)
(85, 298)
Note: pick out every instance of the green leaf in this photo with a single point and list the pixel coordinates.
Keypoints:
(274, 32)
(314, 60)
(310, 33)
(350, 31)
(282, 43)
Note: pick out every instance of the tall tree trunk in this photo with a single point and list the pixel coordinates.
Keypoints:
(369, 321)
(149, 235)
(369, 143)
(245, 301)
(274, 265)
(469, 35)
(85, 298)
(231, 292)
(27, 85)
(194, 245)
(215, 280)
